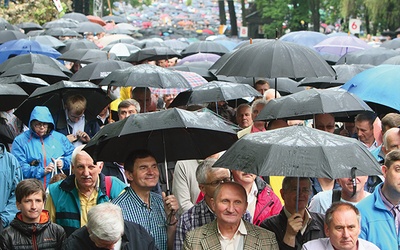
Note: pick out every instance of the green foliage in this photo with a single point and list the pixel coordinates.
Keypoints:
(276, 11)
(189, 3)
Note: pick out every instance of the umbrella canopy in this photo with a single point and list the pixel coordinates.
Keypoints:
(199, 57)
(97, 71)
(61, 23)
(275, 58)
(152, 54)
(55, 95)
(61, 32)
(306, 38)
(377, 85)
(116, 19)
(201, 69)
(176, 44)
(9, 35)
(48, 40)
(204, 47)
(121, 50)
(27, 83)
(146, 75)
(86, 55)
(73, 44)
(285, 86)
(29, 26)
(374, 56)
(344, 73)
(89, 27)
(214, 91)
(11, 96)
(182, 135)
(42, 71)
(341, 45)
(307, 103)
(118, 38)
(24, 46)
(96, 19)
(393, 60)
(194, 80)
(299, 151)
(391, 44)
(76, 16)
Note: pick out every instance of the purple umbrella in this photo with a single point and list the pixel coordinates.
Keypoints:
(200, 57)
(340, 45)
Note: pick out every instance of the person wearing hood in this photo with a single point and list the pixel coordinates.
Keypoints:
(41, 150)
(31, 227)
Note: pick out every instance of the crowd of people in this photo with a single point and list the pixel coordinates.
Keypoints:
(54, 195)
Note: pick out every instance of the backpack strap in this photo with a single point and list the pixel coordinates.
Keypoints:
(336, 195)
(108, 183)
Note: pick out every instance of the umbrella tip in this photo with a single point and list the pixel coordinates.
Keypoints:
(251, 40)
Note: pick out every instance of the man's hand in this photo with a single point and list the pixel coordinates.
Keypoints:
(72, 138)
(58, 162)
(294, 224)
(170, 204)
(49, 168)
(82, 136)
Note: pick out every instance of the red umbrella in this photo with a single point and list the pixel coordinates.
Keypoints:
(96, 19)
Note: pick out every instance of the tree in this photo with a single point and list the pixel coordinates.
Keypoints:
(277, 11)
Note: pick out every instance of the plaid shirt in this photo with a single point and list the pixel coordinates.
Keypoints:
(197, 216)
(153, 219)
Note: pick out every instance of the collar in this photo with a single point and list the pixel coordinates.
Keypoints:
(391, 207)
(96, 186)
(240, 231)
(253, 193)
(374, 145)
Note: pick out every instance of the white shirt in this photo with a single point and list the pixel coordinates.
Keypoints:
(325, 244)
(252, 200)
(237, 242)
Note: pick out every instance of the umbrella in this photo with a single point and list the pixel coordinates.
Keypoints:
(11, 96)
(89, 27)
(8, 35)
(341, 45)
(307, 103)
(86, 55)
(72, 44)
(368, 85)
(7, 26)
(181, 135)
(194, 80)
(275, 58)
(76, 16)
(176, 44)
(146, 75)
(201, 69)
(214, 91)
(306, 38)
(126, 26)
(374, 56)
(152, 54)
(299, 151)
(119, 31)
(344, 73)
(48, 40)
(149, 43)
(27, 83)
(96, 19)
(34, 58)
(61, 23)
(199, 57)
(61, 32)
(118, 38)
(116, 19)
(285, 86)
(29, 26)
(42, 71)
(204, 47)
(121, 50)
(35, 33)
(97, 71)
(393, 60)
(24, 46)
(391, 44)
(53, 97)
(230, 45)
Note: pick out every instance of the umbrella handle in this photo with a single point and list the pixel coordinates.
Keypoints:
(353, 180)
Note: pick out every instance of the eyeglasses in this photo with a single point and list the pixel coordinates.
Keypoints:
(218, 182)
(41, 124)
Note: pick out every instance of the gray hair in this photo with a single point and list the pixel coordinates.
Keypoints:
(258, 102)
(105, 222)
(335, 206)
(387, 134)
(76, 151)
(129, 102)
(203, 169)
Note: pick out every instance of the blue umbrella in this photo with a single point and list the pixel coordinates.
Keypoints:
(378, 85)
(306, 38)
(24, 46)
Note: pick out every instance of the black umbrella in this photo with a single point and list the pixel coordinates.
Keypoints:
(34, 58)
(61, 32)
(42, 71)
(116, 19)
(307, 103)
(97, 71)
(393, 60)
(149, 43)
(196, 68)
(27, 83)
(391, 44)
(121, 50)
(76, 16)
(72, 44)
(48, 40)
(285, 86)
(374, 56)
(344, 73)
(29, 26)
(152, 54)
(11, 96)
(299, 151)
(146, 75)
(55, 95)
(7, 26)
(212, 92)
(61, 23)
(181, 135)
(8, 35)
(204, 47)
(89, 27)
(86, 55)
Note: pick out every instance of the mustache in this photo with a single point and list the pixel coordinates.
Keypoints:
(86, 177)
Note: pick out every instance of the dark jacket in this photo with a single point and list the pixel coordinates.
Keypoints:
(135, 237)
(112, 169)
(278, 223)
(43, 235)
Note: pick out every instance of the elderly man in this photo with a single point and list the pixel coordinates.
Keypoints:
(323, 200)
(257, 126)
(391, 141)
(325, 122)
(229, 230)
(295, 225)
(342, 226)
(128, 107)
(106, 229)
(209, 179)
(380, 211)
(365, 129)
(154, 212)
(243, 116)
(69, 200)
(143, 96)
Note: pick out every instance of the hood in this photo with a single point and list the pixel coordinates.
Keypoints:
(42, 114)
(31, 228)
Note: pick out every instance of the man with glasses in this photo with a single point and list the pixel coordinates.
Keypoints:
(40, 150)
(295, 225)
(209, 179)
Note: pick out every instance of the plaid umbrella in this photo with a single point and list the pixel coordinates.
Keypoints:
(194, 80)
